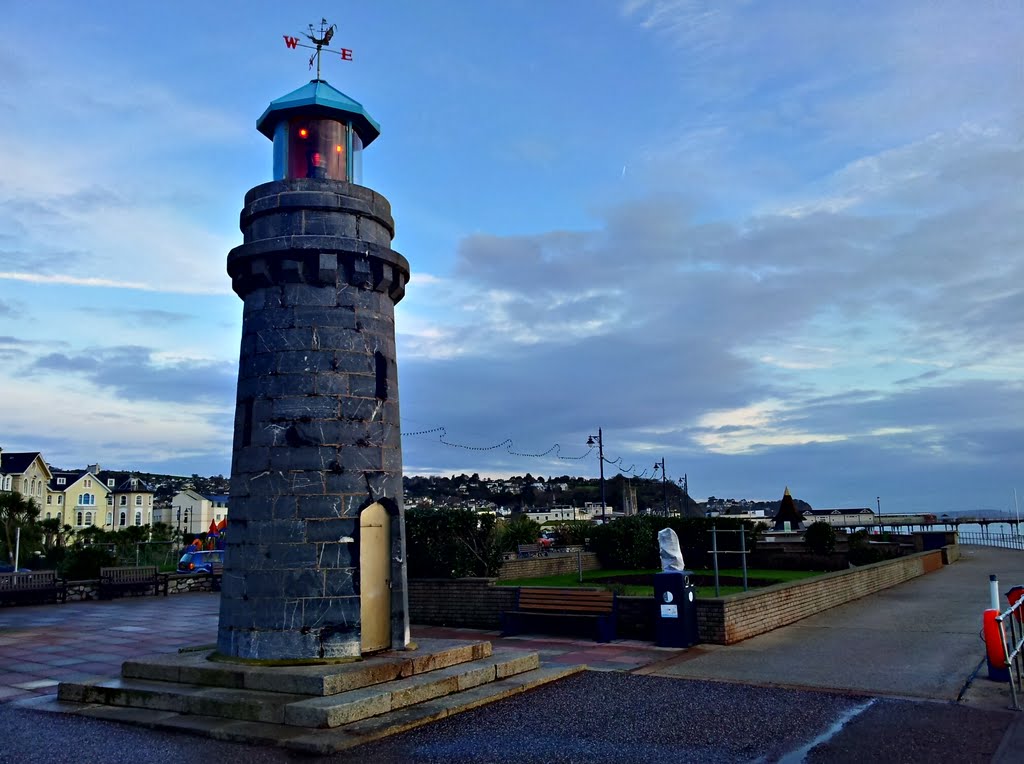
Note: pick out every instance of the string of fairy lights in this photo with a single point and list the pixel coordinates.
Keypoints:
(509, 446)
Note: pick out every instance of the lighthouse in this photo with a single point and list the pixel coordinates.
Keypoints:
(315, 551)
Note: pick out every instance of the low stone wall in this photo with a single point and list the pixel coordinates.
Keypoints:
(478, 603)
(554, 564)
(79, 591)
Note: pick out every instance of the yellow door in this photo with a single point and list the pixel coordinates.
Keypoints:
(374, 578)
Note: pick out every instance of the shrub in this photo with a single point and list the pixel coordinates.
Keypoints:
(863, 553)
(573, 532)
(519, 530)
(632, 542)
(451, 543)
(820, 538)
(85, 562)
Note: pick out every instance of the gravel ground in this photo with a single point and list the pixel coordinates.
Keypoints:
(594, 717)
(606, 717)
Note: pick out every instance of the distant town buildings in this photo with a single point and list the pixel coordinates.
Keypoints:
(193, 512)
(93, 497)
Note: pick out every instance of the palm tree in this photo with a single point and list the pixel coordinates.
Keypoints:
(16, 511)
(55, 536)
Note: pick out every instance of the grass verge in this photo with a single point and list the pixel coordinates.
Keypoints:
(591, 578)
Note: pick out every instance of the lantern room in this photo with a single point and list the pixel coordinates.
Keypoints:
(318, 132)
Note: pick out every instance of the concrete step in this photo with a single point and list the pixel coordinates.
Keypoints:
(336, 710)
(321, 741)
(195, 667)
(297, 709)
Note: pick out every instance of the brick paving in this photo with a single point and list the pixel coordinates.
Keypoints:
(43, 645)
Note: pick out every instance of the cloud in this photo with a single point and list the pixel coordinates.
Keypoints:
(795, 333)
(59, 278)
(133, 374)
(152, 316)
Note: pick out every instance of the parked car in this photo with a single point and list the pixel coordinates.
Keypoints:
(200, 562)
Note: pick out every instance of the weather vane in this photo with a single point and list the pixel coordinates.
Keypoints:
(320, 40)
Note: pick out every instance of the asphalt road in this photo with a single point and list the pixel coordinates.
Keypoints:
(594, 717)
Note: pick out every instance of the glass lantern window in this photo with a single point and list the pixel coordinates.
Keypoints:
(356, 157)
(317, 148)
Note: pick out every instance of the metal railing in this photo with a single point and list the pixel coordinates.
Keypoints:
(1001, 540)
(714, 551)
(1010, 623)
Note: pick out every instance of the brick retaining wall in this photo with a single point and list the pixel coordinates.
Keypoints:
(470, 602)
(478, 603)
(730, 619)
(555, 564)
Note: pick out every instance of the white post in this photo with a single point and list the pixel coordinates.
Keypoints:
(993, 591)
(1016, 510)
(17, 547)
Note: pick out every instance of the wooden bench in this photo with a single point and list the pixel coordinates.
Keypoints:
(530, 550)
(37, 587)
(130, 580)
(584, 606)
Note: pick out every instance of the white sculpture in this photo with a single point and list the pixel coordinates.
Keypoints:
(671, 552)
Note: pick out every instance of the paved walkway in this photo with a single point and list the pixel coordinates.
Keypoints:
(43, 645)
(919, 639)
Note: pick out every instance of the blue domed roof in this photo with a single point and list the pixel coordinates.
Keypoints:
(317, 98)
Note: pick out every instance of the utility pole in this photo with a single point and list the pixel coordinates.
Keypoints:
(600, 456)
(878, 502)
(664, 485)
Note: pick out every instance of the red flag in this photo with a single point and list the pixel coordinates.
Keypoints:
(222, 524)
(213, 528)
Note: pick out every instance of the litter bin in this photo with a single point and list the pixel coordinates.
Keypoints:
(676, 596)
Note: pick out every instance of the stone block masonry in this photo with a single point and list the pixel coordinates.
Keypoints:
(316, 435)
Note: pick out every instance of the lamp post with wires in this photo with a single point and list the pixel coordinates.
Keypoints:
(664, 484)
(600, 457)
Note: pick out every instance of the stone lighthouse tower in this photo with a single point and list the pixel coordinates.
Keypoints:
(315, 560)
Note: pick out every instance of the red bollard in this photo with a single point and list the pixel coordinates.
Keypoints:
(1015, 593)
(992, 630)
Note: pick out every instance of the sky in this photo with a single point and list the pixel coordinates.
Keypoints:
(772, 243)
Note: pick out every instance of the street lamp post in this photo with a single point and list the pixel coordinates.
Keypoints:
(878, 503)
(664, 485)
(686, 496)
(600, 456)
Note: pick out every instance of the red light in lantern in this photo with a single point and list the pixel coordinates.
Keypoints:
(303, 132)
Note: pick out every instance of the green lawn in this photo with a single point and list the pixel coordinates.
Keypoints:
(590, 579)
